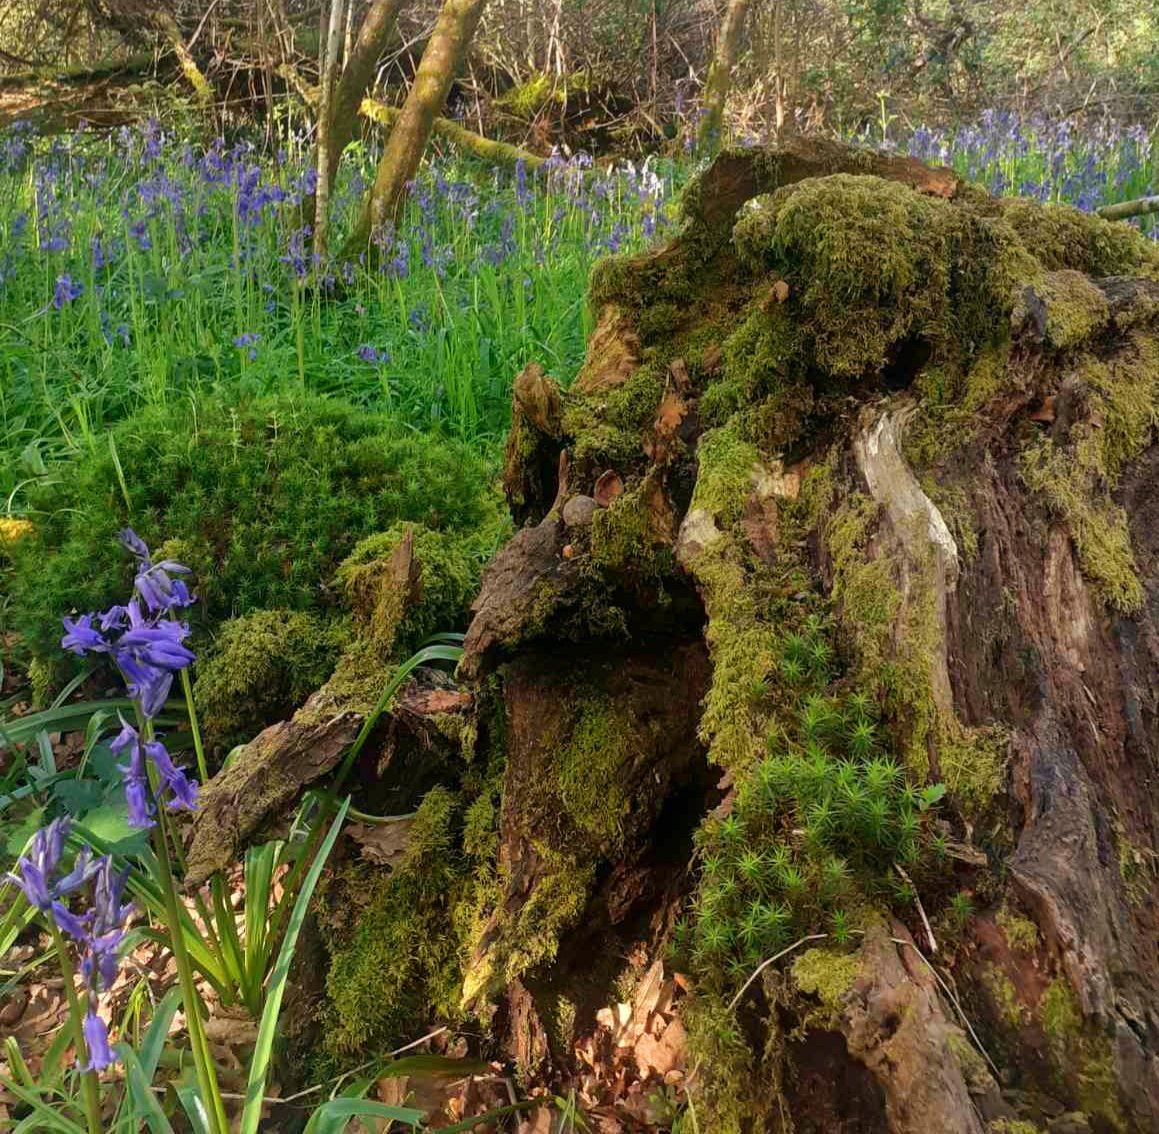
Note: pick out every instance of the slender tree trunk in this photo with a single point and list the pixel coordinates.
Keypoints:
(202, 88)
(404, 150)
(373, 35)
(719, 80)
(329, 65)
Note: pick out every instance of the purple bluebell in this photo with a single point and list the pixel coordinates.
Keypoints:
(96, 1035)
(35, 869)
(249, 342)
(372, 355)
(65, 291)
(80, 637)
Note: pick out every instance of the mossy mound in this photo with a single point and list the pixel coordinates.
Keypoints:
(262, 499)
(396, 615)
(261, 667)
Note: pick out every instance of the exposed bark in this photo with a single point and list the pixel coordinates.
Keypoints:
(719, 81)
(267, 776)
(444, 52)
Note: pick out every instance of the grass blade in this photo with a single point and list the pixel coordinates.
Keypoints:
(264, 1048)
(144, 1104)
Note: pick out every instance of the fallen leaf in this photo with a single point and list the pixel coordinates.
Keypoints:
(384, 843)
(608, 488)
(663, 1055)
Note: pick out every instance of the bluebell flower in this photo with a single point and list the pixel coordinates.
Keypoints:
(80, 637)
(97, 1041)
(249, 341)
(65, 291)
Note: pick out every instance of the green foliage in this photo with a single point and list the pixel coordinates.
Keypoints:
(261, 667)
(262, 499)
(813, 835)
(386, 612)
(393, 953)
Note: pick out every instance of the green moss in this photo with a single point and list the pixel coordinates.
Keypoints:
(974, 1069)
(1012, 1126)
(1097, 525)
(724, 479)
(528, 936)
(828, 976)
(1083, 1060)
(728, 1065)
(1075, 307)
(1021, 933)
(1003, 996)
(757, 359)
(262, 498)
(1061, 237)
(872, 264)
(894, 641)
(622, 537)
(261, 668)
(591, 769)
(385, 613)
(394, 957)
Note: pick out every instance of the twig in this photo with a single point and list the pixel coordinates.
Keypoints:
(953, 1000)
(765, 964)
(918, 902)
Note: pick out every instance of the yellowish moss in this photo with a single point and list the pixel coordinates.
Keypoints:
(1075, 307)
(725, 466)
(1083, 1060)
(261, 668)
(828, 976)
(1012, 1126)
(1097, 525)
(1003, 996)
(394, 956)
(873, 263)
(385, 613)
(974, 1069)
(1061, 237)
(591, 768)
(1021, 933)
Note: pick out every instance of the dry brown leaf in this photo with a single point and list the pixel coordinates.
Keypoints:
(608, 487)
(648, 993)
(538, 1123)
(664, 1055)
(382, 843)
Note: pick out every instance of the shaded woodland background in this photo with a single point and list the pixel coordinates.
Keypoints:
(626, 74)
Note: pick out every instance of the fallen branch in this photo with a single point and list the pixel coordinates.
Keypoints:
(1127, 209)
(498, 153)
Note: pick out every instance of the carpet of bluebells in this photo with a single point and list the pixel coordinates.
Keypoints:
(137, 267)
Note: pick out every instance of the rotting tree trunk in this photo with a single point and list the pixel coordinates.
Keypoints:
(202, 88)
(719, 81)
(859, 476)
(444, 52)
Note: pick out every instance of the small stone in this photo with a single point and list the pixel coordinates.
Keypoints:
(578, 511)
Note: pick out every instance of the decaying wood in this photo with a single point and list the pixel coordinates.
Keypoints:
(266, 777)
